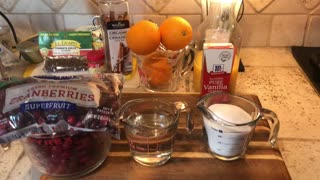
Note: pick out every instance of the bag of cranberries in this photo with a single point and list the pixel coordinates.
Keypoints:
(51, 104)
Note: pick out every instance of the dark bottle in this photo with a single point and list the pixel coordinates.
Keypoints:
(114, 16)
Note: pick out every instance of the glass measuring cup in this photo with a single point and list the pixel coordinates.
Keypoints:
(150, 127)
(162, 70)
(230, 120)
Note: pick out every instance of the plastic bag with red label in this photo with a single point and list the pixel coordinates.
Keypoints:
(51, 104)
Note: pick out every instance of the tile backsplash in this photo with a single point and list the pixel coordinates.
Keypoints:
(274, 23)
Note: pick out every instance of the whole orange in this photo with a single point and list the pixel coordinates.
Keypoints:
(143, 38)
(176, 33)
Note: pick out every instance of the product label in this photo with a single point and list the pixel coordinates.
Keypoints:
(14, 135)
(226, 141)
(119, 52)
(51, 104)
(65, 43)
(147, 144)
(53, 95)
(218, 61)
(96, 68)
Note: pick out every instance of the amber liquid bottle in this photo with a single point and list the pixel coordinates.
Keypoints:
(218, 37)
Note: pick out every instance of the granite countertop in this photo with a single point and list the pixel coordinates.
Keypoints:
(273, 75)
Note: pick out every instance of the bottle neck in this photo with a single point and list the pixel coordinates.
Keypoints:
(219, 25)
(110, 1)
(221, 14)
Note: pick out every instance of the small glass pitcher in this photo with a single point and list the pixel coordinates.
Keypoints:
(150, 127)
(162, 70)
(230, 120)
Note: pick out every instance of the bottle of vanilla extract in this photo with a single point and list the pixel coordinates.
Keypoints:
(114, 17)
(218, 44)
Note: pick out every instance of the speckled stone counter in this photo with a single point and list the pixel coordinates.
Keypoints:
(273, 75)
(281, 85)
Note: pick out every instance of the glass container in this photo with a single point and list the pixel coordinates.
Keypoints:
(5, 37)
(219, 26)
(67, 155)
(30, 51)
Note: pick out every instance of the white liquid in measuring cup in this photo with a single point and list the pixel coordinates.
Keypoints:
(223, 139)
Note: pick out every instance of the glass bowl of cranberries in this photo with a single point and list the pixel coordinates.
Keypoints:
(65, 155)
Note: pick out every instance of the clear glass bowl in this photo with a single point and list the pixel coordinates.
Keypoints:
(67, 155)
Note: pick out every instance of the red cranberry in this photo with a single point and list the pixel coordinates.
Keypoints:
(36, 114)
(3, 131)
(79, 124)
(71, 120)
(41, 120)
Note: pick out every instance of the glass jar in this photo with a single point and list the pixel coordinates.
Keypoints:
(5, 37)
(30, 51)
(96, 61)
(67, 155)
(114, 17)
(219, 29)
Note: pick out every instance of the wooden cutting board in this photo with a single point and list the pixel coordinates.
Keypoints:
(191, 159)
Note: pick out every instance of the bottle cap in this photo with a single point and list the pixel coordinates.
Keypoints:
(95, 56)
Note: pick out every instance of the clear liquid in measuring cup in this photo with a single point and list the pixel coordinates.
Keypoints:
(151, 142)
(223, 138)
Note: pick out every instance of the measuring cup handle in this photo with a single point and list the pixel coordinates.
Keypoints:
(183, 107)
(190, 123)
(273, 121)
(188, 60)
(95, 20)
